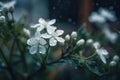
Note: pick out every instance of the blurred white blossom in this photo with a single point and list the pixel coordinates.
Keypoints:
(107, 14)
(95, 17)
(102, 16)
(37, 44)
(110, 35)
(8, 4)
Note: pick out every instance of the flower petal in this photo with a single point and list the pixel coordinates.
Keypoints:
(42, 41)
(45, 36)
(32, 41)
(51, 21)
(35, 26)
(42, 49)
(51, 29)
(102, 57)
(40, 28)
(59, 32)
(42, 21)
(60, 39)
(52, 42)
(33, 50)
(37, 34)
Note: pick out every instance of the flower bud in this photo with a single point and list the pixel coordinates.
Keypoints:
(74, 35)
(67, 37)
(113, 63)
(89, 41)
(80, 42)
(96, 45)
(2, 19)
(26, 31)
(116, 58)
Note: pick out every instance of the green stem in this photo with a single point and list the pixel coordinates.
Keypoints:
(11, 51)
(22, 55)
(91, 56)
(9, 67)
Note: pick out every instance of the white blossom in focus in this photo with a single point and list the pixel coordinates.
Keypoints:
(43, 24)
(54, 37)
(36, 44)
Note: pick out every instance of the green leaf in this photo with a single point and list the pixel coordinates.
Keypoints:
(94, 69)
(82, 33)
(19, 28)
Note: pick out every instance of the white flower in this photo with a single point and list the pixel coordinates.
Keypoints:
(107, 14)
(102, 54)
(37, 44)
(95, 17)
(54, 37)
(8, 4)
(45, 25)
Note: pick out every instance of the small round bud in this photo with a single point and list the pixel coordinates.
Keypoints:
(2, 19)
(116, 58)
(26, 31)
(113, 63)
(89, 41)
(67, 37)
(74, 35)
(96, 45)
(80, 42)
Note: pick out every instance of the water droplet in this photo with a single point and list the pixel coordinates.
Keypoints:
(54, 8)
(69, 20)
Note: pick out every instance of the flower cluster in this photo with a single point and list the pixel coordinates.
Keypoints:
(102, 16)
(44, 31)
